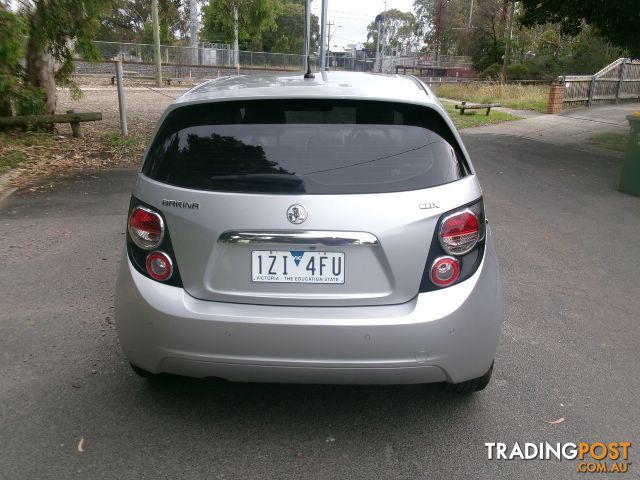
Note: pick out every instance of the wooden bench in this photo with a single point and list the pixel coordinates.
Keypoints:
(476, 106)
(70, 117)
(168, 80)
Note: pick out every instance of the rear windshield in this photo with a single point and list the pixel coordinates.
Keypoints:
(304, 146)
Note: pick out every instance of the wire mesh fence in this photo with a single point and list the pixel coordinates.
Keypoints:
(222, 56)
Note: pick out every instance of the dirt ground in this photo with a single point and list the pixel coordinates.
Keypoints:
(50, 157)
(144, 105)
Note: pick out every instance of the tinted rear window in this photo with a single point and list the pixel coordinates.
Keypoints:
(304, 146)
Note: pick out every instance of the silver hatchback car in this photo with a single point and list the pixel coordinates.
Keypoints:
(326, 230)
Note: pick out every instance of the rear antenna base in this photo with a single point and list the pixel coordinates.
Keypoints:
(309, 74)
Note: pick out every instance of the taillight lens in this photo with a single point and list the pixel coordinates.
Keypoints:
(460, 232)
(146, 228)
(159, 266)
(445, 271)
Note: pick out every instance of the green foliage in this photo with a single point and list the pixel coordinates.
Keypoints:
(589, 53)
(287, 36)
(11, 159)
(400, 29)
(53, 25)
(486, 50)
(615, 20)
(30, 101)
(130, 21)
(518, 71)
(254, 18)
(492, 72)
(114, 140)
(12, 28)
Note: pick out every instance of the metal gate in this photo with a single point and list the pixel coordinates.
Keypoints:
(618, 81)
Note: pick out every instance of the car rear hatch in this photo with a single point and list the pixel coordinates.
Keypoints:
(304, 202)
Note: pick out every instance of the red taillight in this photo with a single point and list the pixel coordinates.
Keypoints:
(460, 232)
(445, 271)
(159, 266)
(146, 228)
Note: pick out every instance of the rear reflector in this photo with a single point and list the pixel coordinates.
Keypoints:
(159, 266)
(460, 232)
(445, 271)
(146, 228)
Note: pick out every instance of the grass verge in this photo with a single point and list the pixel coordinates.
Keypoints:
(10, 159)
(616, 142)
(477, 120)
(518, 97)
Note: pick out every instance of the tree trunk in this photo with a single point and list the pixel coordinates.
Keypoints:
(41, 73)
(5, 108)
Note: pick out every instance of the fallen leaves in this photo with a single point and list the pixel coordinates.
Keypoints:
(554, 422)
(58, 155)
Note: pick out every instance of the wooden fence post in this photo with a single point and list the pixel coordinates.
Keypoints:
(621, 79)
(592, 90)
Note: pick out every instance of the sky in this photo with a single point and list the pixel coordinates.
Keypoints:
(351, 17)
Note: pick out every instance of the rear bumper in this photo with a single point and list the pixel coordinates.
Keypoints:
(447, 335)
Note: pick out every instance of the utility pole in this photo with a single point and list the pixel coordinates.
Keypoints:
(156, 42)
(236, 47)
(507, 48)
(438, 28)
(378, 63)
(323, 35)
(329, 25)
(307, 33)
(307, 39)
(193, 31)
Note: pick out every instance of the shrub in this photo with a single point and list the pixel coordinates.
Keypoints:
(518, 71)
(492, 72)
(30, 101)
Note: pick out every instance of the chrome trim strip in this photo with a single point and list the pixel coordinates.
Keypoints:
(302, 237)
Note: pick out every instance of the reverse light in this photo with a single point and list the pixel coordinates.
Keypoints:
(445, 271)
(460, 232)
(159, 266)
(146, 228)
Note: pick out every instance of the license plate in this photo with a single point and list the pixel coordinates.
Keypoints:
(297, 266)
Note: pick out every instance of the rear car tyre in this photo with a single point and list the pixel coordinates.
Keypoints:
(470, 386)
(141, 372)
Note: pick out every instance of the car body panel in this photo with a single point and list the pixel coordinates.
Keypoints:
(380, 326)
(445, 335)
(375, 275)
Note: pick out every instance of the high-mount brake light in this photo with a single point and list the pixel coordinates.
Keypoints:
(146, 228)
(445, 271)
(159, 266)
(460, 232)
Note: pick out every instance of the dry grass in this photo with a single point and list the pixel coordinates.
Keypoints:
(518, 97)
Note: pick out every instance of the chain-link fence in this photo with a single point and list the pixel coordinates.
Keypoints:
(214, 55)
(223, 56)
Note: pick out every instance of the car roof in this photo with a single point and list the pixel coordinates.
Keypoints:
(332, 84)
